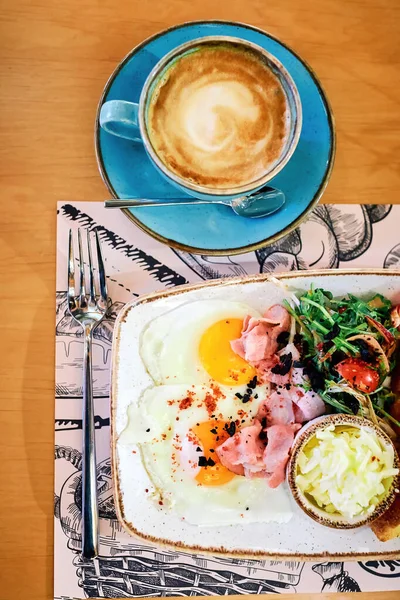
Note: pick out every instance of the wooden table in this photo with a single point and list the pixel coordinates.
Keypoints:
(55, 60)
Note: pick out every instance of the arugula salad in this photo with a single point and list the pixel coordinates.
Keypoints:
(348, 348)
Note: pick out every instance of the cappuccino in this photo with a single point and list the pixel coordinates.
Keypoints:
(218, 116)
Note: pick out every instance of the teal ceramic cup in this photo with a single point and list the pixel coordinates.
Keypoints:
(129, 120)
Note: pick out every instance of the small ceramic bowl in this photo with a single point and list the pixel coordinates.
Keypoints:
(336, 520)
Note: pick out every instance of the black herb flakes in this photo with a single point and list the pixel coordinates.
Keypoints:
(283, 338)
(284, 366)
(334, 332)
(337, 357)
(351, 402)
(231, 428)
(298, 338)
(206, 462)
(366, 352)
(301, 344)
(316, 378)
(238, 395)
(252, 383)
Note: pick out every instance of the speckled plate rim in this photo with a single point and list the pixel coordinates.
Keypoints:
(119, 506)
(208, 251)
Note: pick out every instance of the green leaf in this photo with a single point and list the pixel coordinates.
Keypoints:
(321, 308)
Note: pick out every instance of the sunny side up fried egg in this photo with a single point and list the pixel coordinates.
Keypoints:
(191, 344)
(203, 393)
(177, 428)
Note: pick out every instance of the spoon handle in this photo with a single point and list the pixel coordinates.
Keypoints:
(137, 202)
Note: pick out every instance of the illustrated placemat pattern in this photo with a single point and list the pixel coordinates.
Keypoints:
(334, 236)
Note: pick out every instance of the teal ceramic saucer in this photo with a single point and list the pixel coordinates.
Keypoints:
(215, 229)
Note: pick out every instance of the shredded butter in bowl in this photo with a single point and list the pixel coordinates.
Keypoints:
(343, 471)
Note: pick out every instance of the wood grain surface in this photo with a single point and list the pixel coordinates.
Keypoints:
(55, 60)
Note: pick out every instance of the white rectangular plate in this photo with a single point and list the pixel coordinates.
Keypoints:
(301, 538)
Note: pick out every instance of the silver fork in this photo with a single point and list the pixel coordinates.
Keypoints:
(88, 309)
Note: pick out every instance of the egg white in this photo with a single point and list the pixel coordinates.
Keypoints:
(153, 426)
(169, 344)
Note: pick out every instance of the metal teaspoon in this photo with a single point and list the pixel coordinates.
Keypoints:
(259, 204)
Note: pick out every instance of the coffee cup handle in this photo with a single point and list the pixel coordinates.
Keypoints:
(120, 118)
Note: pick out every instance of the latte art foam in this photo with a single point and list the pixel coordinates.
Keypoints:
(218, 117)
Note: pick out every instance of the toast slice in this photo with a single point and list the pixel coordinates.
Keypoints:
(387, 527)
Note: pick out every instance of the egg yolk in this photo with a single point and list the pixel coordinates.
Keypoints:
(210, 435)
(217, 356)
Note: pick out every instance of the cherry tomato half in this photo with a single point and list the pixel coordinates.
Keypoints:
(358, 375)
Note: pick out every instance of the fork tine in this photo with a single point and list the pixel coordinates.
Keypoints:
(71, 272)
(102, 274)
(92, 291)
(82, 291)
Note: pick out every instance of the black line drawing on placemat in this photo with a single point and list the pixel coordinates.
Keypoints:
(132, 570)
(335, 578)
(392, 260)
(211, 267)
(382, 568)
(156, 269)
(76, 424)
(135, 576)
(332, 235)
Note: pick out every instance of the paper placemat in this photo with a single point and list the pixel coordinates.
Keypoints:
(334, 236)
